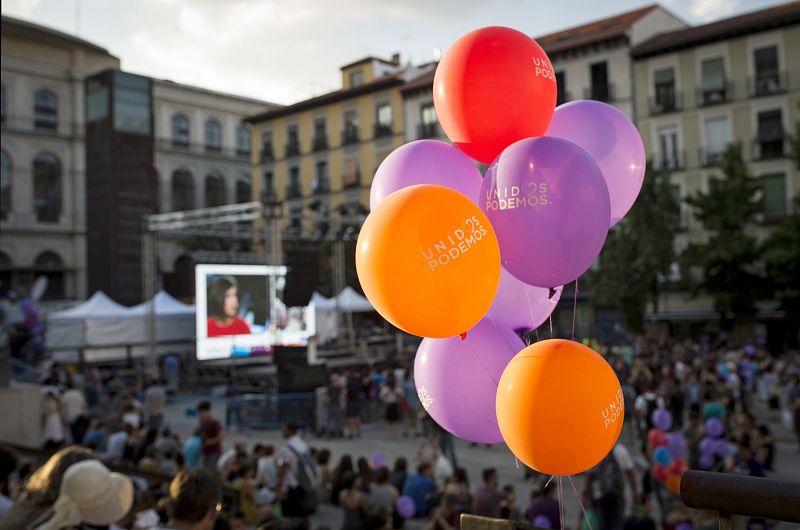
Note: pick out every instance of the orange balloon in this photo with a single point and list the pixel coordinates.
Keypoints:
(559, 407)
(674, 484)
(428, 260)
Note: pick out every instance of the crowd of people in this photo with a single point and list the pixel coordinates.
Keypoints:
(218, 481)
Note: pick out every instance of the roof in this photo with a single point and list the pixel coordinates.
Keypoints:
(370, 58)
(422, 81)
(173, 84)
(331, 97)
(14, 27)
(592, 32)
(754, 22)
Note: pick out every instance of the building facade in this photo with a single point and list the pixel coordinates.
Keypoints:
(701, 88)
(593, 61)
(42, 188)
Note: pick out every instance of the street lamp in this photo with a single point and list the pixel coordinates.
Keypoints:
(273, 213)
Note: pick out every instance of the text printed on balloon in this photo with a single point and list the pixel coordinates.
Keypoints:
(614, 410)
(425, 398)
(508, 198)
(446, 250)
(544, 68)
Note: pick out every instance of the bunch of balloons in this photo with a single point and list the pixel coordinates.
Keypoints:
(712, 445)
(469, 261)
(668, 451)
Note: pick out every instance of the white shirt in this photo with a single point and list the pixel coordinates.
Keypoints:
(53, 428)
(74, 404)
(225, 458)
(267, 472)
(132, 418)
(155, 397)
(116, 445)
(289, 456)
(640, 405)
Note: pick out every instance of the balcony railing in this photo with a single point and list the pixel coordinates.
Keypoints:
(708, 157)
(322, 185)
(28, 124)
(766, 84)
(663, 105)
(714, 96)
(267, 154)
(770, 148)
(382, 129)
(293, 191)
(428, 130)
(320, 143)
(213, 148)
(243, 153)
(671, 162)
(224, 151)
(292, 149)
(350, 135)
(600, 92)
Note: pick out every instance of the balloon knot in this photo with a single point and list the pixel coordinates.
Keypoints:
(463, 336)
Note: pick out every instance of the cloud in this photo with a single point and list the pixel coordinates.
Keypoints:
(21, 8)
(708, 10)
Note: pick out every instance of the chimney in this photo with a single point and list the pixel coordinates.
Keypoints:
(396, 58)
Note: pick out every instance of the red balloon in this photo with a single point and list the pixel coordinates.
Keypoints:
(493, 87)
(678, 467)
(659, 472)
(656, 438)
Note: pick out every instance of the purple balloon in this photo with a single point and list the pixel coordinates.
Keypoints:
(549, 206)
(425, 162)
(676, 442)
(520, 306)
(714, 427)
(719, 447)
(542, 521)
(706, 461)
(612, 140)
(378, 461)
(457, 379)
(706, 445)
(406, 507)
(662, 419)
(683, 526)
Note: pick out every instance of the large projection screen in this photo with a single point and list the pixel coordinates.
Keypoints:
(240, 312)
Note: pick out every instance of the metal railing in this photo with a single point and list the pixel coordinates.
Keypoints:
(708, 157)
(175, 145)
(267, 154)
(428, 130)
(381, 129)
(670, 162)
(319, 143)
(714, 96)
(770, 148)
(350, 135)
(666, 104)
(767, 84)
(28, 124)
(292, 149)
(602, 92)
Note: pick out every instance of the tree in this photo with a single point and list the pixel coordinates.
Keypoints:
(639, 253)
(729, 260)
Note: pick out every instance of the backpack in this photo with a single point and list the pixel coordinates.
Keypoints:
(609, 476)
(307, 481)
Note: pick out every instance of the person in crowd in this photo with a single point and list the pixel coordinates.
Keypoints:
(223, 309)
(355, 404)
(365, 474)
(411, 425)
(488, 497)
(544, 505)
(155, 399)
(640, 519)
(267, 468)
(391, 395)
(337, 482)
(302, 476)
(233, 410)
(382, 494)
(352, 501)
(54, 432)
(42, 489)
(397, 477)
(421, 488)
(194, 500)
(75, 409)
(508, 506)
(8, 464)
(605, 483)
(193, 449)
(336, 400)
(118, 443)
(765, 448)
(211, 433)
(444, 516)
(171, 366)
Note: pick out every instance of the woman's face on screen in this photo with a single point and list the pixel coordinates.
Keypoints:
(231, 304)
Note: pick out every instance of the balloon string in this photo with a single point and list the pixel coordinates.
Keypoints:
(516, 461)
(537, 334)
(530, 307)
(551, 325)
(561, 509)
(488, 373)
(580, 503)
(574, 308)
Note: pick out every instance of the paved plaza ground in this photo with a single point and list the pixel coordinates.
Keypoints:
(474, 459)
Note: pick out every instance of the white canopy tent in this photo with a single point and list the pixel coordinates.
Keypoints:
(174, 320)
(328, 311)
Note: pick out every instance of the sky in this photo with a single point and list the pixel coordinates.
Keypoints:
(285, 51)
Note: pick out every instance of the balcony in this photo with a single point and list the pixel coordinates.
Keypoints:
(266, 153)
(669, 102)
(767, 84)
(382, 129)
(708, 157)
(293, 191)
(320, 143)
(243, 153)
(714, 96)
(428, 130)
(671, 162)
(770, 148)
(28, 124)
(350, 135)
(292, 149)
(322, 185)
(213, 148)
(599, 92)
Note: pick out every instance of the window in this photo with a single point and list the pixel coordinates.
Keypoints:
(350, 175)
(356, 78)
(96, 100)
(292, 141)
(269, 183)
(774, 196)
(266, 147)
(243, 190)
(242, 139)
(350, 133)
(213, 136)
(383, 120)
(182, 190)
(599, 76)
(668, 146)
(180, 130)
(293, 189)
(714, 88)
(47, 187)
(561, 87)
(675, 191)
(320, 134)
(767, 76)
(770, 134)
(45, 110)
(5, 272)
(215, 190)
(5, 184)
(50, 265)
(131, 104)
(428, 128)
(321, 182)
(718, 136)
(665, 100)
